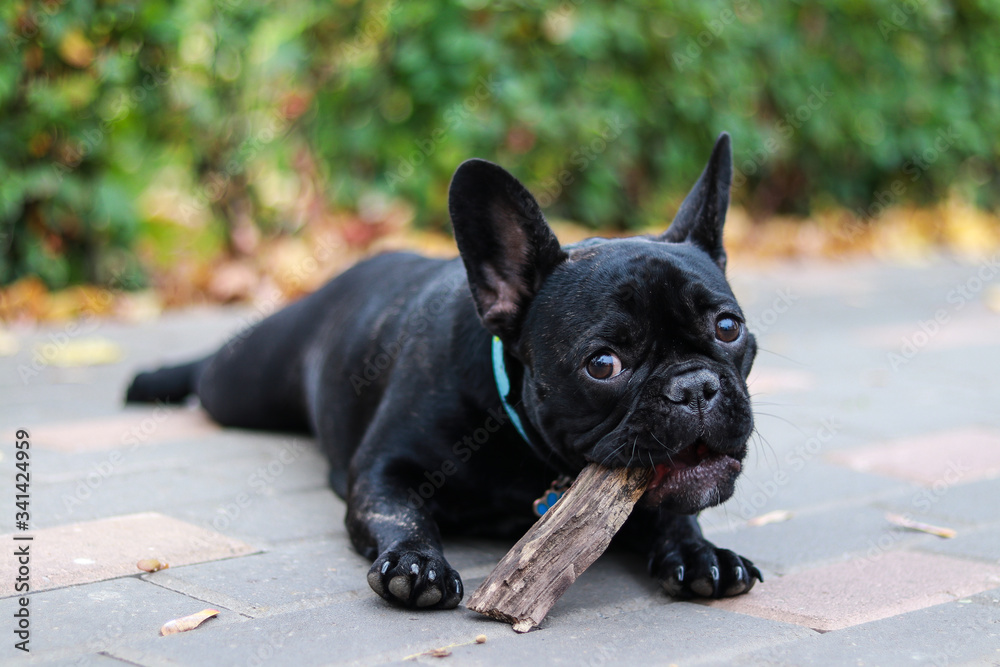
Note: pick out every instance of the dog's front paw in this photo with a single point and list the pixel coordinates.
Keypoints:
(415, 578)
(697, 568)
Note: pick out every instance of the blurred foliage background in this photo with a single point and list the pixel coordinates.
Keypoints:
(157, 140)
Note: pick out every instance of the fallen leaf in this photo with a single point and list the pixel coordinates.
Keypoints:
(777, 516)
(8, 344)
(83, 352)
(151, 565)
(186, 623)
(906, 522)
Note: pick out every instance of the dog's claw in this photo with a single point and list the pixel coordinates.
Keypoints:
(412, 578)
(697, 568)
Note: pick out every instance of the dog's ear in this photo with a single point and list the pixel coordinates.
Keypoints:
(507, 246)
(703, 213)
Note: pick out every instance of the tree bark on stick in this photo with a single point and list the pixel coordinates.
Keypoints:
(560, 546)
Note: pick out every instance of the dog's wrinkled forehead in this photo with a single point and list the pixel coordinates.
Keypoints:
(636, 279)
(627, 294)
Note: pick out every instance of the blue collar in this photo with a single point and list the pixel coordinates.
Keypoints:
(503, 386)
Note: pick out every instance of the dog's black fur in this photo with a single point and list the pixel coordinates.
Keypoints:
(389, 365)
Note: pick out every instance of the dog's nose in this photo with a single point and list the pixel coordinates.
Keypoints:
(695, 390)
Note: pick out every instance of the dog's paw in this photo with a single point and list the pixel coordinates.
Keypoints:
(415, 578)
(697, 568)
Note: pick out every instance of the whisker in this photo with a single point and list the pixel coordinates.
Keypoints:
(764, 441)
(780, 418)
(781, 356)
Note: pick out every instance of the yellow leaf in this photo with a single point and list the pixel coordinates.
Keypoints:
(84, 352)
(906, 522)
(777, 516)
(186, 623)
(151, 565)
(76, 49)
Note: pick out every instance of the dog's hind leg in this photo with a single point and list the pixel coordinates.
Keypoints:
(253, 381)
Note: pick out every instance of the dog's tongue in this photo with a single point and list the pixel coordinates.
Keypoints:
(686, 458)
(695, 478)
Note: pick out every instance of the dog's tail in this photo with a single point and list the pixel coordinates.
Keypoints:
(170, 384)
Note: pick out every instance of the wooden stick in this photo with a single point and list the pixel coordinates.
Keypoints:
(560, 546)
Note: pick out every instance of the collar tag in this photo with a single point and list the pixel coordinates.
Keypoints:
(552, 496)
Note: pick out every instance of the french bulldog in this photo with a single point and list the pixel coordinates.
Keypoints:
(448, 395)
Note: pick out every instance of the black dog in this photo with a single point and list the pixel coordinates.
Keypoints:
(448, 395)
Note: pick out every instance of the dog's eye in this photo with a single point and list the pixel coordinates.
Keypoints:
(728, 329)
(604, 365)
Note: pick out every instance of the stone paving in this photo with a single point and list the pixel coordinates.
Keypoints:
(877, 392)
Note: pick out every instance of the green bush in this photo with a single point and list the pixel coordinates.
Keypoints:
(606, 109)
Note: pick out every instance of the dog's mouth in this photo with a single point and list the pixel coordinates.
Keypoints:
(693, 479)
